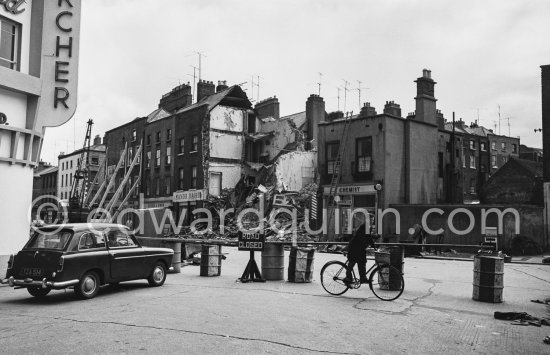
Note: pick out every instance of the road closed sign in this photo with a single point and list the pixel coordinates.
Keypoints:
(251, 241)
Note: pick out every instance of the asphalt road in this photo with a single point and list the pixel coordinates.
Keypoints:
(195, 315)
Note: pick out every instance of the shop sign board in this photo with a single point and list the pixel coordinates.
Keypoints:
(59, 62)
(352, 189)
(188, 196)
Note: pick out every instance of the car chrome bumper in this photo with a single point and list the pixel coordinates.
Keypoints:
(33, 283)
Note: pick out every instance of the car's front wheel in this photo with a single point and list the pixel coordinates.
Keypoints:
(38, 292)
(88, 287)
(158, 275)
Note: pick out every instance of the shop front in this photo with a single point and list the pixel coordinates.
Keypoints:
(185, 202)
(349, 198)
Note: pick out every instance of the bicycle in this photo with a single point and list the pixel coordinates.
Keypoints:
(384, 280)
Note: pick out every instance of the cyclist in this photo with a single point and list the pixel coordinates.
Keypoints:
(357, 252)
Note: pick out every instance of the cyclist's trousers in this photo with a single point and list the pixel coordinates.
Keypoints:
(362, 266)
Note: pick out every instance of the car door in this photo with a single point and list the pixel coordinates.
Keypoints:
(91, 254)
(128, 259)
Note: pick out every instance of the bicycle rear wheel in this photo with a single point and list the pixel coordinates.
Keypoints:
(332, 277)
(386, 282)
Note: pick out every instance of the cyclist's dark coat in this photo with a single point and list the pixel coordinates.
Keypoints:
(358, 243)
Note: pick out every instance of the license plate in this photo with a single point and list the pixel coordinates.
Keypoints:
(31, 271)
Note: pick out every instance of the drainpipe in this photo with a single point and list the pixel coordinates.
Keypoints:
(407, 161)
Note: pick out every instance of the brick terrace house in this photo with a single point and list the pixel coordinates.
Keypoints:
(478, 153)
(210, 140)
(190, 150)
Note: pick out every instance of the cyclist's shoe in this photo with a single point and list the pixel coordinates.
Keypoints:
(364, 281)
(347, 281)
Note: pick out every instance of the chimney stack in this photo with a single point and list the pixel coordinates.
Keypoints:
(391, 108)
(205, 88)
(222, 85)
(315, 113)
(425, 100)
(97, 140)
(545, 82)
(268, 108)
(178, 98)
(367, 110)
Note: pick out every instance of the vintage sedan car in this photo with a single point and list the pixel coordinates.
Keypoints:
(84, 256)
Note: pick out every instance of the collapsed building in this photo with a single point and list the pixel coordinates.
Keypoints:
(190, 153)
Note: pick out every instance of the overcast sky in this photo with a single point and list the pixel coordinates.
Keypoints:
(481, 53)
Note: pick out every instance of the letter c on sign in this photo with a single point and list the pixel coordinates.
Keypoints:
(3, 118)
(58, 21)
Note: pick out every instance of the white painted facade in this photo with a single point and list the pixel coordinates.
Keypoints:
(228, 146)
(227, 118)
(27, 101)
(230, 176)
(295, 170)
(226, 141)
(67, 168)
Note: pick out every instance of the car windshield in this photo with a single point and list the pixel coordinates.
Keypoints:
(49, 240)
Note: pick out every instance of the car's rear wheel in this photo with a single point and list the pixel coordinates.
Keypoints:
(38, 292)
(158, 275)
(88, 287)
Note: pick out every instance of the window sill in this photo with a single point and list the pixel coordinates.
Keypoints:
(194, 151)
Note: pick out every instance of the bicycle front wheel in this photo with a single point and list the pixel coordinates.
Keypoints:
(386, 282)
(332, 277)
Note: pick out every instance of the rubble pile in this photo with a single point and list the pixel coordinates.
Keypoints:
(284, 214)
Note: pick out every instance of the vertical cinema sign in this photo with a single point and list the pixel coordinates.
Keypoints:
(59, 63)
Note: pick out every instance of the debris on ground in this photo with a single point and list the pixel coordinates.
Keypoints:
(284, 213)
(522, 318)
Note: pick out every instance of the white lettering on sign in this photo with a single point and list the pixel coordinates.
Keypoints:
(251, 241)
(189, 196)
(13, 6)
